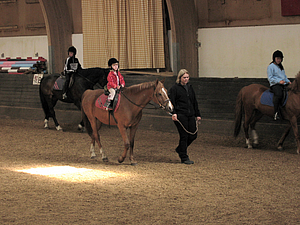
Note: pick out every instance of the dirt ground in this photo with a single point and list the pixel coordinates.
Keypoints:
(228, 184)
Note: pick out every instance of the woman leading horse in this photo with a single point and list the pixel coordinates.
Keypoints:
(248, 101)
(127, 116)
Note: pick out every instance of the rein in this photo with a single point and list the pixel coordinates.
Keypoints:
(141, 106)
(87, 79)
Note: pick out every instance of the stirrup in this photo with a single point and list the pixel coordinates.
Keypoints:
(108, 105)
(64, 96)
(276, 117)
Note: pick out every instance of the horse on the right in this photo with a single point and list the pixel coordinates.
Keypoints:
(248, 102)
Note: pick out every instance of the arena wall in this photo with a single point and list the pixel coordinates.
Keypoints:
(245, 52)
(19, 99)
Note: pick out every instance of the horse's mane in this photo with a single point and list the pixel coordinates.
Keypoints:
(295, 86)
(138, 87)
(91, 71)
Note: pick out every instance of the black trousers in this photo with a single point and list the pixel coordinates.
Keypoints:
(277, 89)
(67, 83)
(185, 139)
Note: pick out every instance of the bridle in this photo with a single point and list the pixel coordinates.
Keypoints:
(161, 105)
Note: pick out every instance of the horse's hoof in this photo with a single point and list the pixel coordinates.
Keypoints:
(248, 146)
(59, 128)
(280, 148)
(133, 163)
(255, 145)
(93, 157)
(120, 159)
(105, 159)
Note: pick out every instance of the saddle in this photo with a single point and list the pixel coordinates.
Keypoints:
(60, 82)
(267, 98)
(100, 101)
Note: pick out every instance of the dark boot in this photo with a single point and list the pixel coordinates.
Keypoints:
(276, 101)
(276, 116)
(108, 105)
(187, 161)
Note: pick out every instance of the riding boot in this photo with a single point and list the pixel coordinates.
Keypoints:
(66, 86)
(108, 104)
(276, 101)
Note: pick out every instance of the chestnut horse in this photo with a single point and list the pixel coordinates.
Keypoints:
(128, 115)
(248, 101)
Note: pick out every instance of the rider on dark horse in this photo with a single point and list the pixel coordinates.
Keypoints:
(71, 66)
(277, 80)
(114, 81)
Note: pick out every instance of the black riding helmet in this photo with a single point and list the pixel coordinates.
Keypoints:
(72, 49)
(112, 61)
(277, 53)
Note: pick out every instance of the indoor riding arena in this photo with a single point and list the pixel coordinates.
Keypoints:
(47, 176)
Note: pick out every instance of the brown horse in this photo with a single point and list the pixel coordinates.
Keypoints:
(128, 114)
(248, 101)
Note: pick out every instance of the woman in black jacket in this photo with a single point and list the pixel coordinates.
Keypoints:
(186, 113)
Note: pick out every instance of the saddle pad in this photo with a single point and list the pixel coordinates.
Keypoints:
(267, 98)
(59, 83)
(100, 101)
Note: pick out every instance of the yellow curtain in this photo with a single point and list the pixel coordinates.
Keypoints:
(129, 30)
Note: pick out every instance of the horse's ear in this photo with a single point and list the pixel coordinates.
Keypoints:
(156, 82)
(163, 80)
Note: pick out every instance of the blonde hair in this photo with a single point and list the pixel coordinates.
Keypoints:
(180, 74)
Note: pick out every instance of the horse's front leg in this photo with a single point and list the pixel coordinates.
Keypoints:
(51, 103)
(294, 125)
(133, 130)
(123, 132)
(283, 137)
(81, 126)
(46, 123)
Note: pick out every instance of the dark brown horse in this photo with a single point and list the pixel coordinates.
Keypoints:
(83, 80)
(127, 116)
(248, 101)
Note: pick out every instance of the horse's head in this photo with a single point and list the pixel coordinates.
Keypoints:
(295, 84)
(161, 96)
(95, 75)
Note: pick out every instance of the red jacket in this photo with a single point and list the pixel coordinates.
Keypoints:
(112, 81)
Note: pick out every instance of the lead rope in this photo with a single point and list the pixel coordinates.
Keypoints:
(197, 124)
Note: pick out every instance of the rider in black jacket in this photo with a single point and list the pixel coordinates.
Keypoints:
(71, 66)
(186, 110)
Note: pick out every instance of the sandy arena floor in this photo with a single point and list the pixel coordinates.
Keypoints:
(228, 184)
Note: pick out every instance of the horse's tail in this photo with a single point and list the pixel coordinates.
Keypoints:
(238, 113)
(43, 100)
(86, 122)
(85, 119)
